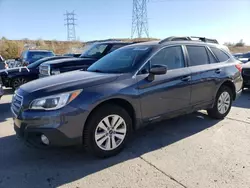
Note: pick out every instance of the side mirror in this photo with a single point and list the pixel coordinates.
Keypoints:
(156, 70)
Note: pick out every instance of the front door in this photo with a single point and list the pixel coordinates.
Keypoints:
(166, 93)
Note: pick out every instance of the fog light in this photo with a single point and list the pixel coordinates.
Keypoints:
(44, 139)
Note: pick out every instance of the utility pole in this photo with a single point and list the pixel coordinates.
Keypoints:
(139, 19)
(70, 23)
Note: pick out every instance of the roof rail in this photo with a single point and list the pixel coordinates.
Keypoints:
(187, 38)
(203, 39)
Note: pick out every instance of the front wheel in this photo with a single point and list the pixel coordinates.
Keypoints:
(17, 82)
(222, 103)
(107, 131)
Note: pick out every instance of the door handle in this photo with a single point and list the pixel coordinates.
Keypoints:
(217, 71)
(186, 78)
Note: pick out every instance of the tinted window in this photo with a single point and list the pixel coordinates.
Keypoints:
(95, 51)
(211, 57)
(220, 54)
(34, 56)
(24, 55)
(197, 55)
(172, 57)
(115, 47)
(123, 60)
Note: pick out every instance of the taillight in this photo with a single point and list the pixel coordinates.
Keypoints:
(239, 67)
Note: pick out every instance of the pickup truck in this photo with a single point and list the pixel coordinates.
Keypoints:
(95, 52)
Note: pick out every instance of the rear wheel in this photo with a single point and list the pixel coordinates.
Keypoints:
(222, 103)
(17, 82)
(107, 131)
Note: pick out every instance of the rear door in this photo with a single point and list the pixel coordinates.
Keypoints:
(203, 82)
(167, 93)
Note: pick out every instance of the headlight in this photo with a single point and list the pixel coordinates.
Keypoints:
(54, 102)
(54, 72)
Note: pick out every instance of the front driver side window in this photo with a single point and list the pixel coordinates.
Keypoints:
(172, 57)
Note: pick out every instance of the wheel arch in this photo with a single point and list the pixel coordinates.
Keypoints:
(120, 102)
(230, 84)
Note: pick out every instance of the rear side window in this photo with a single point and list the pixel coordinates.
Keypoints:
(222, 56)
(211, 57)
(197, 55)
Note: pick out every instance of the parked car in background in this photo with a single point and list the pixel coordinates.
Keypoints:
(237, 55)
(125, 90)
(246, 75)
(15, 77)
(244, 58)
(72, 54)
(30, 56)
(87, 58)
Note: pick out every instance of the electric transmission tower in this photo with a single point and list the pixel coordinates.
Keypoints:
(139, 19)
(70, 23)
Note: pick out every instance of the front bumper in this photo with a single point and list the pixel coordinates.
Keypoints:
(61, 128)
(33, 137)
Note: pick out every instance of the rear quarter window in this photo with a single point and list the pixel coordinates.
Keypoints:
(197, 55)
(222, 56)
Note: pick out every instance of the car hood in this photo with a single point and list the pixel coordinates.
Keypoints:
(66, 82)
(59, 61)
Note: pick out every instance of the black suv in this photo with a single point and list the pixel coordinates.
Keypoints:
(15, 77)
(87, 58)
(125, 90)
(30, 56)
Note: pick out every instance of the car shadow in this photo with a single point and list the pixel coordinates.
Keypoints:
(8, 91)
(25, 167)
(244, 100)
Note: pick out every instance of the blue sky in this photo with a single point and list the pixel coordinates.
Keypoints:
(226, 20)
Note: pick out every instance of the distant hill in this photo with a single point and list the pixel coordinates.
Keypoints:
(10, 49)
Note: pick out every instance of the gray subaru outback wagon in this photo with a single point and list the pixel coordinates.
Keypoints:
(127, 89)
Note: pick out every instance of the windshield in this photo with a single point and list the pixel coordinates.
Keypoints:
(94, 51)
(123, 60)
(33, 56)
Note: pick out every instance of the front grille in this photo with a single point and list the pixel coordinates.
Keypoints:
(246, 72)
(17, 102)
(44, 70)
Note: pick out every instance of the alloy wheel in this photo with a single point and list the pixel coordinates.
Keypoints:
(110, 132)
(223, 103)
(18, 82)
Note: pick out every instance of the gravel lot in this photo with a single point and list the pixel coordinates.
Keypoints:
(190, 151)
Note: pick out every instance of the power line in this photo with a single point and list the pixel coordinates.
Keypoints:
(139, 19)
(70, 23)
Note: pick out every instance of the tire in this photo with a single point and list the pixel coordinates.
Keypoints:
(17, 82)
(112, 145)
(218, 112)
